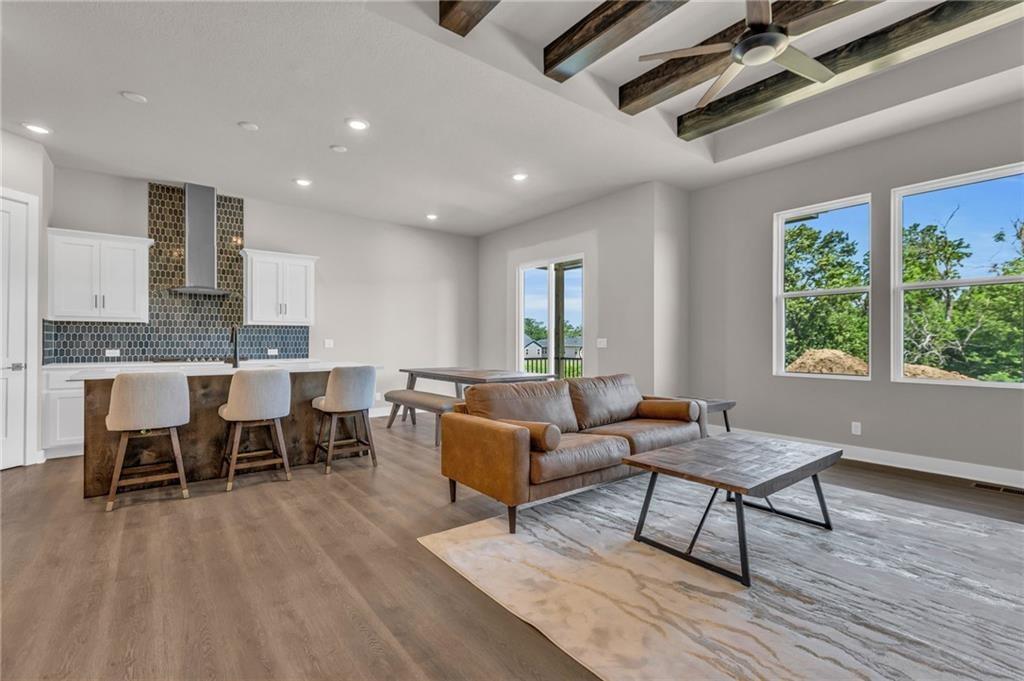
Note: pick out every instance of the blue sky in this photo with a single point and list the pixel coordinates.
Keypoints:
(535, 299)
(985, 208)
(854, 220)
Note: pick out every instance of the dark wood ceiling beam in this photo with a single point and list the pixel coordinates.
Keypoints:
(600, 32)
(932, 29)
(461, 16)
(676, 76)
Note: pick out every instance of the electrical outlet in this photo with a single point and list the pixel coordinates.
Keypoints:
(378, 397)
(855, 427)
(272, 352)
(112, 352)
(602, 342)
(328, 342)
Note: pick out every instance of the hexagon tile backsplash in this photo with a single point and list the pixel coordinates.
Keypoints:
(180, 326)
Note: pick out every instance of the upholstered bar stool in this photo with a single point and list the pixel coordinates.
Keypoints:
(257, 398)
(147, 404)
(349, 395)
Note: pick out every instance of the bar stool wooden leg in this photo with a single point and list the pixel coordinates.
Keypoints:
(122, 447)
(226, 449)
(330, 443)
(393, 414)
(412, 415)
(235, 442)
(319, 436)
(369, 435)
(176, 446)
(284, 450)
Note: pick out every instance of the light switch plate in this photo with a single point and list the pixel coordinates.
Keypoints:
(378, 397)
(112, 352)
(602, 342)
(855, 427)
(328, 342)
(272, 352)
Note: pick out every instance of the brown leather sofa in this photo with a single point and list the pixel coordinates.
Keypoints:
(522, 442)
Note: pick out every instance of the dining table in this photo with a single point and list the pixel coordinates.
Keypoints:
(463, 376)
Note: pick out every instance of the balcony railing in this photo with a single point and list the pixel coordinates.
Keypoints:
(565, 367)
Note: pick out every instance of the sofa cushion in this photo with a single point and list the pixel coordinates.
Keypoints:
(674, 410)
(644, 435)
(576, 454)
(544, 437)
(543, 401)
(603, 399)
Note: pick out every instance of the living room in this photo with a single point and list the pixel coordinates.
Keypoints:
(549, 316)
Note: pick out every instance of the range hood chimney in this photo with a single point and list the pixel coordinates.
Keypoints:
(200, 242)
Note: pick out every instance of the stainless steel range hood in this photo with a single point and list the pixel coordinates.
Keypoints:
(200, 242)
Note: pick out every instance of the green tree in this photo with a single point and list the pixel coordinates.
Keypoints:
(534, 329)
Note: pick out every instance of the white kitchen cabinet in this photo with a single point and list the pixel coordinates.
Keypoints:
(98, 277)
(63, 409)
(279, 288)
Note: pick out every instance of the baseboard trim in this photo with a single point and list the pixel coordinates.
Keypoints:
(62, 452)
(915, 462)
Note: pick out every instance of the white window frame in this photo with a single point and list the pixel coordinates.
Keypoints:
(898, 286)
(549, 264)
(780, 295)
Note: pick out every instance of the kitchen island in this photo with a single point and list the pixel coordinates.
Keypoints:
(203, 438)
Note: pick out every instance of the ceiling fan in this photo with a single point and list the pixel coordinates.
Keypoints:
(762, 42)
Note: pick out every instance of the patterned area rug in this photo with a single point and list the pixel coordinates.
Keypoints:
(899, 590)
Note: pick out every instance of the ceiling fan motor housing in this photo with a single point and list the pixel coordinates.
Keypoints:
(760, 45)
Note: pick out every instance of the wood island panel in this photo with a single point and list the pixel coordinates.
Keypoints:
(203, 437)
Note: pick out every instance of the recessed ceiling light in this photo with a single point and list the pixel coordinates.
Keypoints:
(38, 129)
(303, 182)
(248, 126)
(134, 97)
(338, 148)
(431, 217)
(520, 177)
(357, 123)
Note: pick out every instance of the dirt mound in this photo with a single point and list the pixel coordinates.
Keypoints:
(923, 371)
(826, 361)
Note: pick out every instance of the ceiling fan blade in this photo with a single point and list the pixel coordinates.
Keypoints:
(719, 85)
(803, 65)
(713, 48)
(826, 15)
(759, 12)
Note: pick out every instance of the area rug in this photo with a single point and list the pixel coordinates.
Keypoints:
(899, 590)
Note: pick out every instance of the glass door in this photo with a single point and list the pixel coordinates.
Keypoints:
(550, 324)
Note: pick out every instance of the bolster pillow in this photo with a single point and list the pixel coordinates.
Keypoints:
(675, 410)
(544, 437)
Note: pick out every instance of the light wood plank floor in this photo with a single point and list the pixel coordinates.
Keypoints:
(321, 577)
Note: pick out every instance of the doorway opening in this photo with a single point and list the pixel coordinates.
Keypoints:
(549, 328)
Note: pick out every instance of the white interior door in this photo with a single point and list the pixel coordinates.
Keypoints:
(119, 291)
(13, 317)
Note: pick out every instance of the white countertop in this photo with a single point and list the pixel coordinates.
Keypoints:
(99, 371)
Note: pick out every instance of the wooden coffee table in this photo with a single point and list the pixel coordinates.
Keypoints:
(743, 465)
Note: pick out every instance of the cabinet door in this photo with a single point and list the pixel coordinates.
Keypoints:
(63, 419)
(74, 278)
(297, 289)
(266, 291)
(123, 284)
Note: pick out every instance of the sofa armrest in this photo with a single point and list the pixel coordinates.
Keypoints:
(702, 416)
(490, 456)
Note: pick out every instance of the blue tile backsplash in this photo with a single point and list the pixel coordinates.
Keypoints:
(180, 326)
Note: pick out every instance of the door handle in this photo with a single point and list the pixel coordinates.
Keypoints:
(15, 366)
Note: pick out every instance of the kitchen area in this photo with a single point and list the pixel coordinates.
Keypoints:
(188, 298)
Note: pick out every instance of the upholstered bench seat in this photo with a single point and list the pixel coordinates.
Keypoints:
(418, 399)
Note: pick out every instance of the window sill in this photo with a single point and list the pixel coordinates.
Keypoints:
(959, 384)
(839, 377)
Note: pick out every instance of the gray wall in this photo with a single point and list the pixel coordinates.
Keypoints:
(730, 348)
(619, 236)
(386, 294)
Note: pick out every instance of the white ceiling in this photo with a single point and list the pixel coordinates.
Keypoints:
(451, 118)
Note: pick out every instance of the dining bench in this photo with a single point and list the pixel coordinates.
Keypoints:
(424, 401)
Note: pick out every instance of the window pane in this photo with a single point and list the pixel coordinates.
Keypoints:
(827, 335)
(535, 320)
(830, 249)
(963, 334)
(973, 230)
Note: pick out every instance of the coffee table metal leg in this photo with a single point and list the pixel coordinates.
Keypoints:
(647, 504)
(825, 523)
(741, 577)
